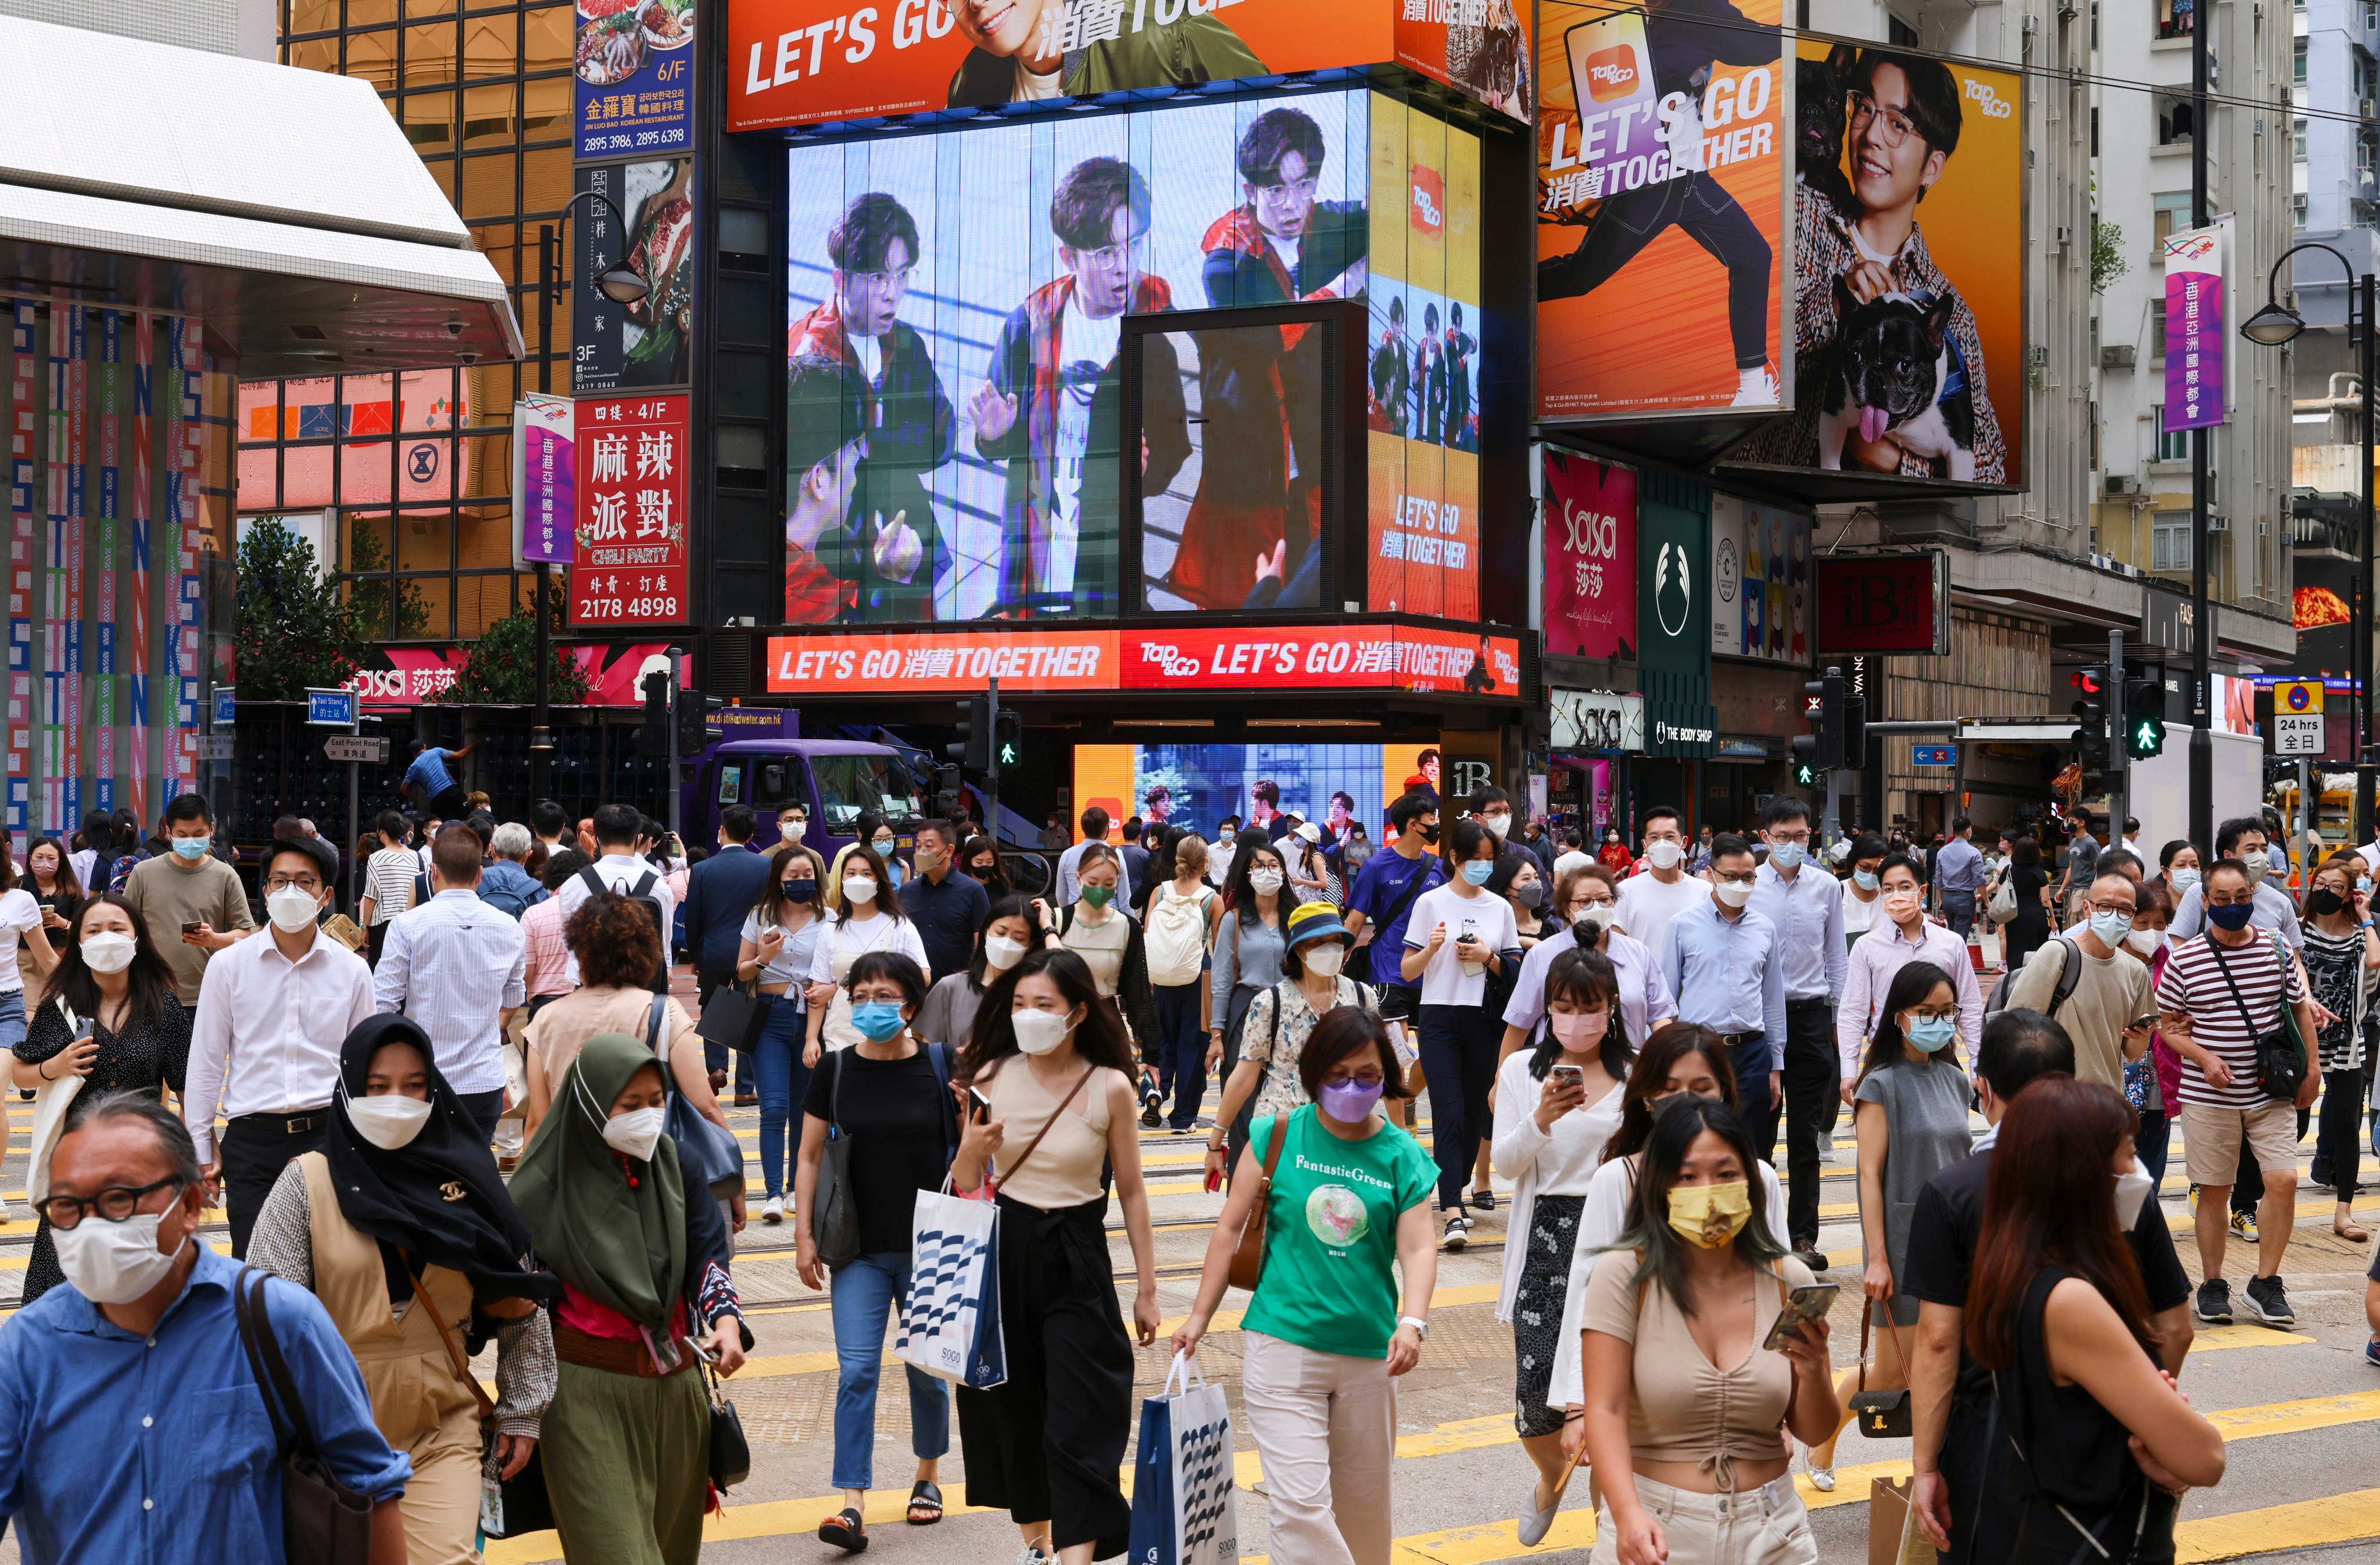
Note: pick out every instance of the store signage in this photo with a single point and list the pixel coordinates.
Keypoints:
(1673, 617)
(544, 512)
(419, 674)
(2167, 618)
(1590, 565)
(1597, 719)
(1760, 581)
(635, 76)
(2194, 326)
(648, 342)
(1363, 657)
(631, 565)
(1882, 604)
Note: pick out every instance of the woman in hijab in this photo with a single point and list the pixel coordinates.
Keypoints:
(643, 1261)
(404, 1204)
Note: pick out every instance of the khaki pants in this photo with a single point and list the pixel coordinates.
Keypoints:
(1768, 1525)
(441, 1500)
(1325, 1425)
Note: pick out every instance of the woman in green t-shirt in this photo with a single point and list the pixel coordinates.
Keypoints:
(1348, 1205)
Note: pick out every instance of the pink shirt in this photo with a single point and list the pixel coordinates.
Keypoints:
(1867, 977)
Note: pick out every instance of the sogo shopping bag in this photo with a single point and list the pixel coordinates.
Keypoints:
(950, 1327)
(1183, 1508)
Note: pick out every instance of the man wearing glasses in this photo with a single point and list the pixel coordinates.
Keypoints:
(1722, 961)
(2110, 990)
(130, 1426)
(458, 966)
(1805, 903)
(265, 1043)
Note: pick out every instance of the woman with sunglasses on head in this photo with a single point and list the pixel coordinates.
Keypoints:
(111, 1017)
(402, 1227)
(1046, 1445)
(1011, 929)
(778, 945)
(1459, 936)
(1556, 1107)
(1326, 1333)
(866, 917)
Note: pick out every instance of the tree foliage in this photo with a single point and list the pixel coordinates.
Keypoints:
(501, 667)
(292, 628)
(2108, 262)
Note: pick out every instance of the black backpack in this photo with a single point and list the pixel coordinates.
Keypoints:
(2069, 975)
(641, 894)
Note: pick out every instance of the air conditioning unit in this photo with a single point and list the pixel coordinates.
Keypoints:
(2217, 522)
(2364, 107)
(2122, 484)
(2117, 355)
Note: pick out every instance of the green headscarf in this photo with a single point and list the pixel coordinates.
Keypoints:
(621, 1244)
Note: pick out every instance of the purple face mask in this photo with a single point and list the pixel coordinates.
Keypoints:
(1349, 1103)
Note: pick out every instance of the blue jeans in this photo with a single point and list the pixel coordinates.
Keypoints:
(12, 1018)
(864, 1292)
(1181, 1050)
(784, 1080)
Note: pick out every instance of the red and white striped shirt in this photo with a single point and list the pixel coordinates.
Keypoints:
(2193, 984)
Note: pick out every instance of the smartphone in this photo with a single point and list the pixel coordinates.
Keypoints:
(1214, 1181)
(978, 1106)
(1574, 1076)
(2147, 1019)
(190, 926)
(1809, 1302)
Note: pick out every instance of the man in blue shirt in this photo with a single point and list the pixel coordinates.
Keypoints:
(432, 785)
(1805, 903)
(1722, 961)
(1958, 871)
(1386, 890)
(132, 1428)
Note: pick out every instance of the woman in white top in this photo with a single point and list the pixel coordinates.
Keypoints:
(1863, 901)
(21, 915)
(781, 937)
(869, 918)
(1045, 1445)
(1100, 930)
(1555, 1107)
(1456, 935)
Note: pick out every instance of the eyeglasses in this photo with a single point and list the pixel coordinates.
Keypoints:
(1801, 836)
(1741, 878)
(1110, 258)
(1928, 1013)
(306, 883)
(886, 279)
(1301, 189)
(2123, 907)
(1361, 1078)
(115, 1202)
(1897, 127)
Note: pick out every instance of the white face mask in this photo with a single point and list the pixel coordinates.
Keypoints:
(2146, 941)
(791, 829)
(1038, 1032)
(1664, 855)
(636, 1133)
(859, 888)
(292, 911)
(2257, 864)
(109, 952)
(389, 1121)
(114, 1263)
(1500, 824)
(1325, 960)
(1735, 893)
(1001, 954)
(1264, 882)
(2133, 1188)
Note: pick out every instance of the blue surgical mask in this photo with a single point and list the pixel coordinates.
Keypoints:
(1933, 1033)
(2364, 882)
(193, 848)
(1787, 856)
(2111, 928)
(2185, 879)
(1477, 870)
(877, 1019)
(1864, 878)
(2234, 917)
(802, 890)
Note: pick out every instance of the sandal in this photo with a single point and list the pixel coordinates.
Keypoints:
(925, 1503)
(845, 1530)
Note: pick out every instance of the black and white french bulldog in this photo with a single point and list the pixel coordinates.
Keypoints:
(1822, 98)
(1896, 371)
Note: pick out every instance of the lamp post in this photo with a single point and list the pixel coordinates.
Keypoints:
(2272, 326)
(620, 287)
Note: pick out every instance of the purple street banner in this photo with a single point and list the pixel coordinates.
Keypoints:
(544, 484)
(2194, 329)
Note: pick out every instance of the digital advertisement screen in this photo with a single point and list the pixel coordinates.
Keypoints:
(1197, 785)
(1925, 381)
(1661, 209)
(954, 362)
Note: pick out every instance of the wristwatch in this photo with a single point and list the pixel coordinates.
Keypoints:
(1421, 1326)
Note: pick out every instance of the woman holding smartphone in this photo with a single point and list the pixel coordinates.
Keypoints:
(1458, 935)
(1555, 1107)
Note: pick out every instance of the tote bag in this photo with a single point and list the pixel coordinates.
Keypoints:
(1183, 1511)
(950, 1324)
(50, 1106)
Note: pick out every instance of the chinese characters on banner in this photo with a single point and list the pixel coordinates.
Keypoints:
(1590, 608)
(543, 513)
(631, 565)
(2193, 327)
(635, 76)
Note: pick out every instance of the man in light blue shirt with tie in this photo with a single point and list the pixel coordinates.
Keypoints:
(1805, 903)
(1722, 961)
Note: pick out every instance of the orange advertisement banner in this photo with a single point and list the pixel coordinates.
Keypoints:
(1478, 47)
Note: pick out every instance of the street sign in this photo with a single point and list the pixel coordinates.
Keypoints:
(345, 746)
(1934, 755)
(214, 746)
(2296, 735)
(2298, 695)
(331, 709)
(227, 714)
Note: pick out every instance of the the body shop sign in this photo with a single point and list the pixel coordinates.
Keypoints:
(1590, 531)
(631, 565)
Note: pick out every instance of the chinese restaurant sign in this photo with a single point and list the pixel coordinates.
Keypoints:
(632, 494)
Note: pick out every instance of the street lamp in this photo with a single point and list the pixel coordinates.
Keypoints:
(621, 286)
(2278, 323)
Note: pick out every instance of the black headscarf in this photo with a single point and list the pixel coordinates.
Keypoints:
(439, 1197)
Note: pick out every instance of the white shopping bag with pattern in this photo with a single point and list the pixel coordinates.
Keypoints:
(950, 1324)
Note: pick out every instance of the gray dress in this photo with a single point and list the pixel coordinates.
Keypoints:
(1926, 1119)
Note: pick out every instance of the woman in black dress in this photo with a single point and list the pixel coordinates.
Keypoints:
(2026, 876)
(110, 1017)
(49, 874)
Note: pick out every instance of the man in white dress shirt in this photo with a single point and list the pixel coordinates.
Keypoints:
(272, 1014)
(617, 868)
(458, 966)
(1806, 905)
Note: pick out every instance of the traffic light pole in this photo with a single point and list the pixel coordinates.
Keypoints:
(2119, 748)
(991, 773)
(677, 802)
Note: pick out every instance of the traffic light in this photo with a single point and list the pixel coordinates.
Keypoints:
(1825, 709)
(1806, 763)
(947, 798)
(972, 749)
(2091, 715)
(653, 735)
(694, 710)
(2144, 708)
(1854, 730)
(1008, 736)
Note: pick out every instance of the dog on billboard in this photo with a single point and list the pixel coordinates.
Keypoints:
(1822, 90)
(1899, 372)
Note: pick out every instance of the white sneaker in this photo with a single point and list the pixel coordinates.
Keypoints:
(1757, 388)
(1823, 1480)
(774, 1211)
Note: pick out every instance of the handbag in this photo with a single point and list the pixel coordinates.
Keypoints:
(1183, 1511)
(2280, 1054)
(707, 1154)
(1882, 1416)
(1249, 1254)
(1893, 1537)
(2002, 906)
(735, 1018)
(731, 1452)
(50, 1106)
(509, 1508)
(322, 1521)
(835, 1207)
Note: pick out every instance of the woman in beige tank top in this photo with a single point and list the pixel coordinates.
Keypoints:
(1045, 1446)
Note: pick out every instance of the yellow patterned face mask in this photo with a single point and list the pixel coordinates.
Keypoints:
(1710, 1214)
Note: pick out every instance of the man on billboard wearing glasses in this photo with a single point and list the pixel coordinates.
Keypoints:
(1052, 409)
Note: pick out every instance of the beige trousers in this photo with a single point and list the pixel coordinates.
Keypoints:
(441, 1500)
(1326, 1427)
(1768, 1525)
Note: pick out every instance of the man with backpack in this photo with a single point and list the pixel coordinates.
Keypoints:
(1386, 891)
(459, 968)
(617, 868)
(506, 884)
(2090, 984)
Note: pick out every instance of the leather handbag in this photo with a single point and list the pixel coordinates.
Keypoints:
(707, 1154)
(835, 1205)
(2280, 1054)
(1881, 1415)
(523, 1506)
(731, 1452)
(322, 1521)
(1249, 1254)
(735, 1018)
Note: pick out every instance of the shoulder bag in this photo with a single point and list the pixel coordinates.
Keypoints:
(734, 1017)
(1032, 1146)
(1881, 1415)
(2002, 906)
(2280, 1057)
(520, 1505)
(1248, 1255)
(835, 1207)
(731, 1448)
(50, 1106)
(322, 1521)
(707, 1154)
